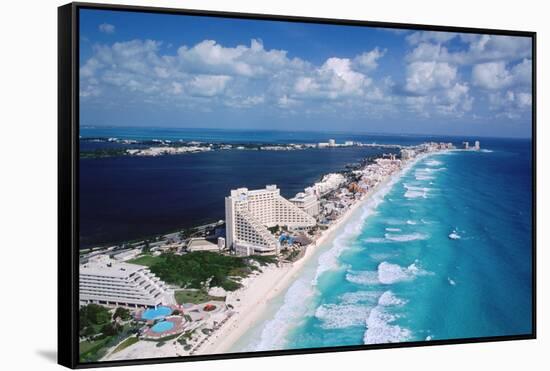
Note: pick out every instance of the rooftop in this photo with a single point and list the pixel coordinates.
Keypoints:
(109, 269)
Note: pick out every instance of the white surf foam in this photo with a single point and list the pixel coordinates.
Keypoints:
(454, 235)
(433, 163)
(379, 323)
(416, 192)
(370, 297)
(374, 240)
(388, 298)
(405, 237)
(294, 308)
(362, 277)
(381, 256)
(329, 259)
(451, 281)
(338, 316)
(393, 229)
(381, 331)
(411, 222)
(389, 273)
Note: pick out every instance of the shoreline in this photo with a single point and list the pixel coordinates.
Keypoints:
(250, 311)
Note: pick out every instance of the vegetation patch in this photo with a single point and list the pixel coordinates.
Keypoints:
(126, 343)
(195, 269)
(101, 331)
(195, 297)
(147, 259)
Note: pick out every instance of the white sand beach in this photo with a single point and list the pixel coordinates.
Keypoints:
(251, 301)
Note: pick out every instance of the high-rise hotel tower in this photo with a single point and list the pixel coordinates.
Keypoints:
(248, 214)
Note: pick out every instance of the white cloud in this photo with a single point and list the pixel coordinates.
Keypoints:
(211, 57)
(435, 36)
(246, 76)
(454, 100)
(208, 85)
(369, 60)
(106, 28)
(478, 49)
(510, 104)
(286, 102)
(491, 75)
(245, 102)
(423, 77)
(335, 79)
(496, 75)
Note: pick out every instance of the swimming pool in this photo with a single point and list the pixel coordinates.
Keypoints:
(162, 326)
(160, 312)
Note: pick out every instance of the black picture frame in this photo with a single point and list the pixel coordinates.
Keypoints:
(68, 181)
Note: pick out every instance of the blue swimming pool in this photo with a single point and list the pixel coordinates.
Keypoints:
(153, 314)
(162, 326)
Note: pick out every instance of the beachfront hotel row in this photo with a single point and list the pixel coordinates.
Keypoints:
(250, 219)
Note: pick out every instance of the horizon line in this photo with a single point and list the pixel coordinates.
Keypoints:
(530, 137)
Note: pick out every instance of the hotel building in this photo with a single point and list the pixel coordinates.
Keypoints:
(248, 214)
(307, 202)
(329, 183)
(108, 282)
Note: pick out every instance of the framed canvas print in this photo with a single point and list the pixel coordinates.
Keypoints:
(239, 185)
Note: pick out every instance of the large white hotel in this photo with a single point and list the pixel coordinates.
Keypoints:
(248, 214)
(108, 282)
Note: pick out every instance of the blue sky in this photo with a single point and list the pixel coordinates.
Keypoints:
(139, 69)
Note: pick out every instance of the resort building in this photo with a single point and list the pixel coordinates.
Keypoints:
(407, 154)
(248, 214)
(307, 202)
(476, 145)
(107, 282)
(331, 143)
(329, 183)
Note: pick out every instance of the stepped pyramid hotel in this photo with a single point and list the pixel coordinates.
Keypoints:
(248, 214)
(108, 282)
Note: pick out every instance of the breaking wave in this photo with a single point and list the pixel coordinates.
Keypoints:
(379, 325)
(389, 273)
(415, 192)
(329, 259)
(273, 335)
(405, 237)
(433, 163)
(362, 277)
(337, 316)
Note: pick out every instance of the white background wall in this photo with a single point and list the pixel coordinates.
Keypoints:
(28, 182)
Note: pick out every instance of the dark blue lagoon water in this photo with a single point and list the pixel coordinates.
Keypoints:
(123, 198)
(442, 253)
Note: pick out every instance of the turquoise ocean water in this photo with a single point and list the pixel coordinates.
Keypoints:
(442, 253)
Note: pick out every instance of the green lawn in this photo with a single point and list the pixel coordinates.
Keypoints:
(91, 351)
(194, 269)
(147, 260)
(194, 297)
(126, 343)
